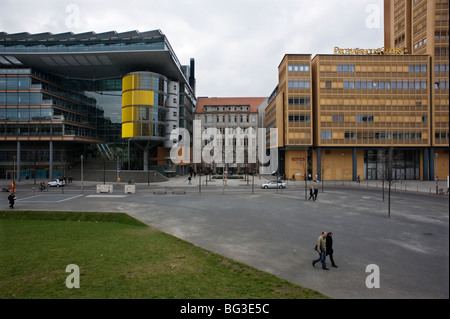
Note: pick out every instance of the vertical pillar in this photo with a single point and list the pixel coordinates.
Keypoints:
(146, 158)
(18, 160)
(431, 163)
(389, 163)
(319, 163)
(426, 165)
(355, 164)
(50, 168)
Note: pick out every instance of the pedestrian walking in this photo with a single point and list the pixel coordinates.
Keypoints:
(321, 249)
(311, 192)
(316, 191)
(11, 199)
(329, 248)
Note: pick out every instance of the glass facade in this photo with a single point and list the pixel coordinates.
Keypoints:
(61, 96)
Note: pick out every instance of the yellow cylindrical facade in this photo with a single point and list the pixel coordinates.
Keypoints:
(144, 97)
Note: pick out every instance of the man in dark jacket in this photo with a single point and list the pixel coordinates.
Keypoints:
(329, 248)
(11, 199)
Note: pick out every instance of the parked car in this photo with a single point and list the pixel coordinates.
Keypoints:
(56, 183)
(273, 184)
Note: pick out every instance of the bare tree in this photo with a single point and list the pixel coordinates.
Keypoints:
(388, 177)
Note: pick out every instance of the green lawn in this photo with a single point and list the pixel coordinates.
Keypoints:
(119, 257)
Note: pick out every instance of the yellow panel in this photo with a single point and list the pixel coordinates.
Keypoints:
(127, 114)
(127, 98)
(141, 97)
(127, 83)
(127, 130)
(137, 97)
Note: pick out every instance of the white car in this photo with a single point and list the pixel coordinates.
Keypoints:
(273, 184)
(56, 183)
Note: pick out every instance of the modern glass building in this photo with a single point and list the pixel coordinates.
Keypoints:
(111, 95)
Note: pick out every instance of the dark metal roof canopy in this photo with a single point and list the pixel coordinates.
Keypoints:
(92, 56)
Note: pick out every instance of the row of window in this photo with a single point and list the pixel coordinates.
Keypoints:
(384, 85)
(44, 130)
(441, 51)
(442, 135)
(14, 98)
(14, 83)
(417, 68)
(367, 118)
(300, 118)
(226, 108)
(298, 68)
(299, 101)
(346, 68)
(441, 84)
(420, 43)
(441, 68)
(35, 114)
(231, 118)
(299, 84)
(384, 135)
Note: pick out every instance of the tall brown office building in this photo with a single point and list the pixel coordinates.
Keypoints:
(359, 112)
(290, 111)
(368, 109)
(422, 27)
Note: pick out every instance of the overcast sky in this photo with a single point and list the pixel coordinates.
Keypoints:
(237, 44)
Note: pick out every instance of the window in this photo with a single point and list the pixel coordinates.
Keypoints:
(338, 118)
(325, 135)
(350, 135)
(424, 85)
(345, 68)
(302, 84)
(328, 84)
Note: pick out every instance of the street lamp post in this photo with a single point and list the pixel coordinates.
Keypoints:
(14, 176)
(343, 169)
(306, 182)
(323, 170)
(435, 172)
(82, 173)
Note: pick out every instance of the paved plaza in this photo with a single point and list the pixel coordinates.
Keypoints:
(276, 230)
